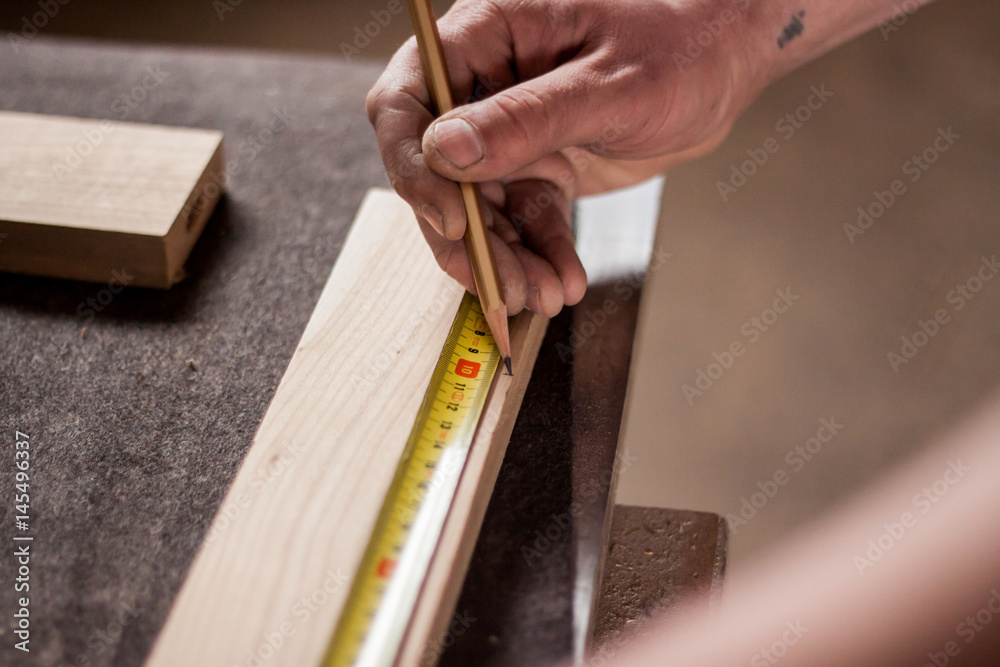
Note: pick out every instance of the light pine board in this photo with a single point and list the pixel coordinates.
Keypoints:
(425, 637)
(272, 576)
(80, 198)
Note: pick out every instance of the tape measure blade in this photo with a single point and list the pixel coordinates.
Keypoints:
(410, 521)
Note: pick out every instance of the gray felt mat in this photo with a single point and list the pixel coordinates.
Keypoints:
(139, 415)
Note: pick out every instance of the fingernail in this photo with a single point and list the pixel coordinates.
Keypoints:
(453, 228)
(433, 216)
(459, 142)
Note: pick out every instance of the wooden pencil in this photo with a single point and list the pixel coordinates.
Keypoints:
(477, 242)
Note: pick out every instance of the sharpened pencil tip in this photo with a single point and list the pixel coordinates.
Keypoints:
(506, 362)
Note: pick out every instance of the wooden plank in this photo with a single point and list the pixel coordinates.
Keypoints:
(271, 578)
(80, 198)
(428, 630)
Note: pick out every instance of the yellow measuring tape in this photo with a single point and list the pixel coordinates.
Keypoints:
(385, 590)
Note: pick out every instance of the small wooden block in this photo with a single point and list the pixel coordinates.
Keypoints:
(82, 198)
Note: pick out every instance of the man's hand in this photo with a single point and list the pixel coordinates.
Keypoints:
(564, 98)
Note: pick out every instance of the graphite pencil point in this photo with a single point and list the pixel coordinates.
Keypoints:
(506, 362)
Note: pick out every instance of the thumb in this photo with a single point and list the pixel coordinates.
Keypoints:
(571, 105)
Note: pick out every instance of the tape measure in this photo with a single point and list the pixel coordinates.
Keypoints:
(385, 590)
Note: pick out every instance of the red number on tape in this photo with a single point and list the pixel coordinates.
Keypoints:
(385, 567)
(467, 369)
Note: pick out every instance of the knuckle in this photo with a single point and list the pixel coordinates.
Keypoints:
(616, 73)
(380, 96)
(373, 103)
(403, 169)
(443, 254)
(561, 13)
(526, 116)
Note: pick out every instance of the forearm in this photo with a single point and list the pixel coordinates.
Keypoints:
(781, 35)
(589, 95)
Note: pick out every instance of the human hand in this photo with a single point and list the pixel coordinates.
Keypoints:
(566, 98)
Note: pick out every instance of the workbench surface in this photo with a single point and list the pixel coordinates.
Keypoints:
(139, 408)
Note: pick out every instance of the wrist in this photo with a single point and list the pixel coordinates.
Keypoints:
(779, 36)
(750, 48)
(721, 47)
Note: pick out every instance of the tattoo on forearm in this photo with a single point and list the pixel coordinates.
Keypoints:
(792, 30)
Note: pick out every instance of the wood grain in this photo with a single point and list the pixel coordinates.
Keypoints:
(81, 198)
(271, 578)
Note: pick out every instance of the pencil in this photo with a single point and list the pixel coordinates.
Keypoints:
(477, 242)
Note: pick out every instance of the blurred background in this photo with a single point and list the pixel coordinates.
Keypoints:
(815, 406)
(287, 25)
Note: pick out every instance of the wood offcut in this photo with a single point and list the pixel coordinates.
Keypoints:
(82, 198)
